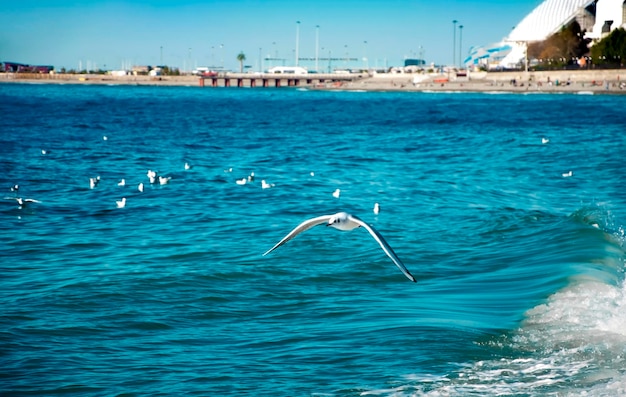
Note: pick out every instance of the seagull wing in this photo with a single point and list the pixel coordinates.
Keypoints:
(306, 225)
(383, 244)
(32, 201)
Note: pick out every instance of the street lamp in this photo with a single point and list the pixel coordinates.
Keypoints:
(272, 64)
(365, 55)
(297, 41)
(317, 46)
(222, 56)
(454, 22)
(460, 45)
(329, 61)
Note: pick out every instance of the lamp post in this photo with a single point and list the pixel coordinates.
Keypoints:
(189, 56)
(272, 64)
(317, 46)
(297, 41)
(460, 45)
(329, 61)
(365, 60)
(454, 22)
(222, 56)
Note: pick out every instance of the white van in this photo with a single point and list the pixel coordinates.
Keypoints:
(287, 70)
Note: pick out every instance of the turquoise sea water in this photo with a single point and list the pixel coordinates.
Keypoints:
(520, 270)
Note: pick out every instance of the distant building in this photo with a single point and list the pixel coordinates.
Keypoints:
(597, 17)
(610, 15)
(414, 62)
(14, 67)
(140, 70)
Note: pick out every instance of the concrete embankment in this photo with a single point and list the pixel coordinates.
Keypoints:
(595, 81)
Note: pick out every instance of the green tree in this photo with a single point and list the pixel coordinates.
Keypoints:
(562, 47)
(611, 49)
(241, 57)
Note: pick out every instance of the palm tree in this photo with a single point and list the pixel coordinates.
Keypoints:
(241, 57)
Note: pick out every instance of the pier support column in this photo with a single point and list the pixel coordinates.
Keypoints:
(201, 82)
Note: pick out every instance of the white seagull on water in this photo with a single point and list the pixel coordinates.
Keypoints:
(93, 182)
(121, 203)
(345, 221)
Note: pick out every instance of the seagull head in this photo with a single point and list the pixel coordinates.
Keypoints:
(341, 221)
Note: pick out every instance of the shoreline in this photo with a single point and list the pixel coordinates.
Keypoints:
(576, 82)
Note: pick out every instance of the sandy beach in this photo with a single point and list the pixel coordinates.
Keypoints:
(584, 82)
(597, 82)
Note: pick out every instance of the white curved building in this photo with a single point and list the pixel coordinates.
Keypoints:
(547, 19)
(610, 15)
(597, 17)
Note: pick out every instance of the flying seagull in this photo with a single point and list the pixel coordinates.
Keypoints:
(345, 221)
(21, 202)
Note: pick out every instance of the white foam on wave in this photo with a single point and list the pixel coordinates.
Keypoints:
(573, 344)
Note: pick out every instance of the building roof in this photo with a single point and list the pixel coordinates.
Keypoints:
(546, 19)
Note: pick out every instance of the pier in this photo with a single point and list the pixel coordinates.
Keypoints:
(278, 79)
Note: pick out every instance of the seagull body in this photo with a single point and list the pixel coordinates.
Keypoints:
(15, 188)
(376, 208)
(152, 176)
(93, 182)
(336, 193)
(345, 221)
(121, 203)
(187, 166)
(122, 182)
(544, 140)
(241, 181)
(140, 187)
(164, 180)
(266, 185)
(21, 202)
(251, 177)
(568, 174)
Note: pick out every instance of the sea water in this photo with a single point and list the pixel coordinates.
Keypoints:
(520, 266)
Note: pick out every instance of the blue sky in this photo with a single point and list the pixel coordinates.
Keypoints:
(189, 33)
